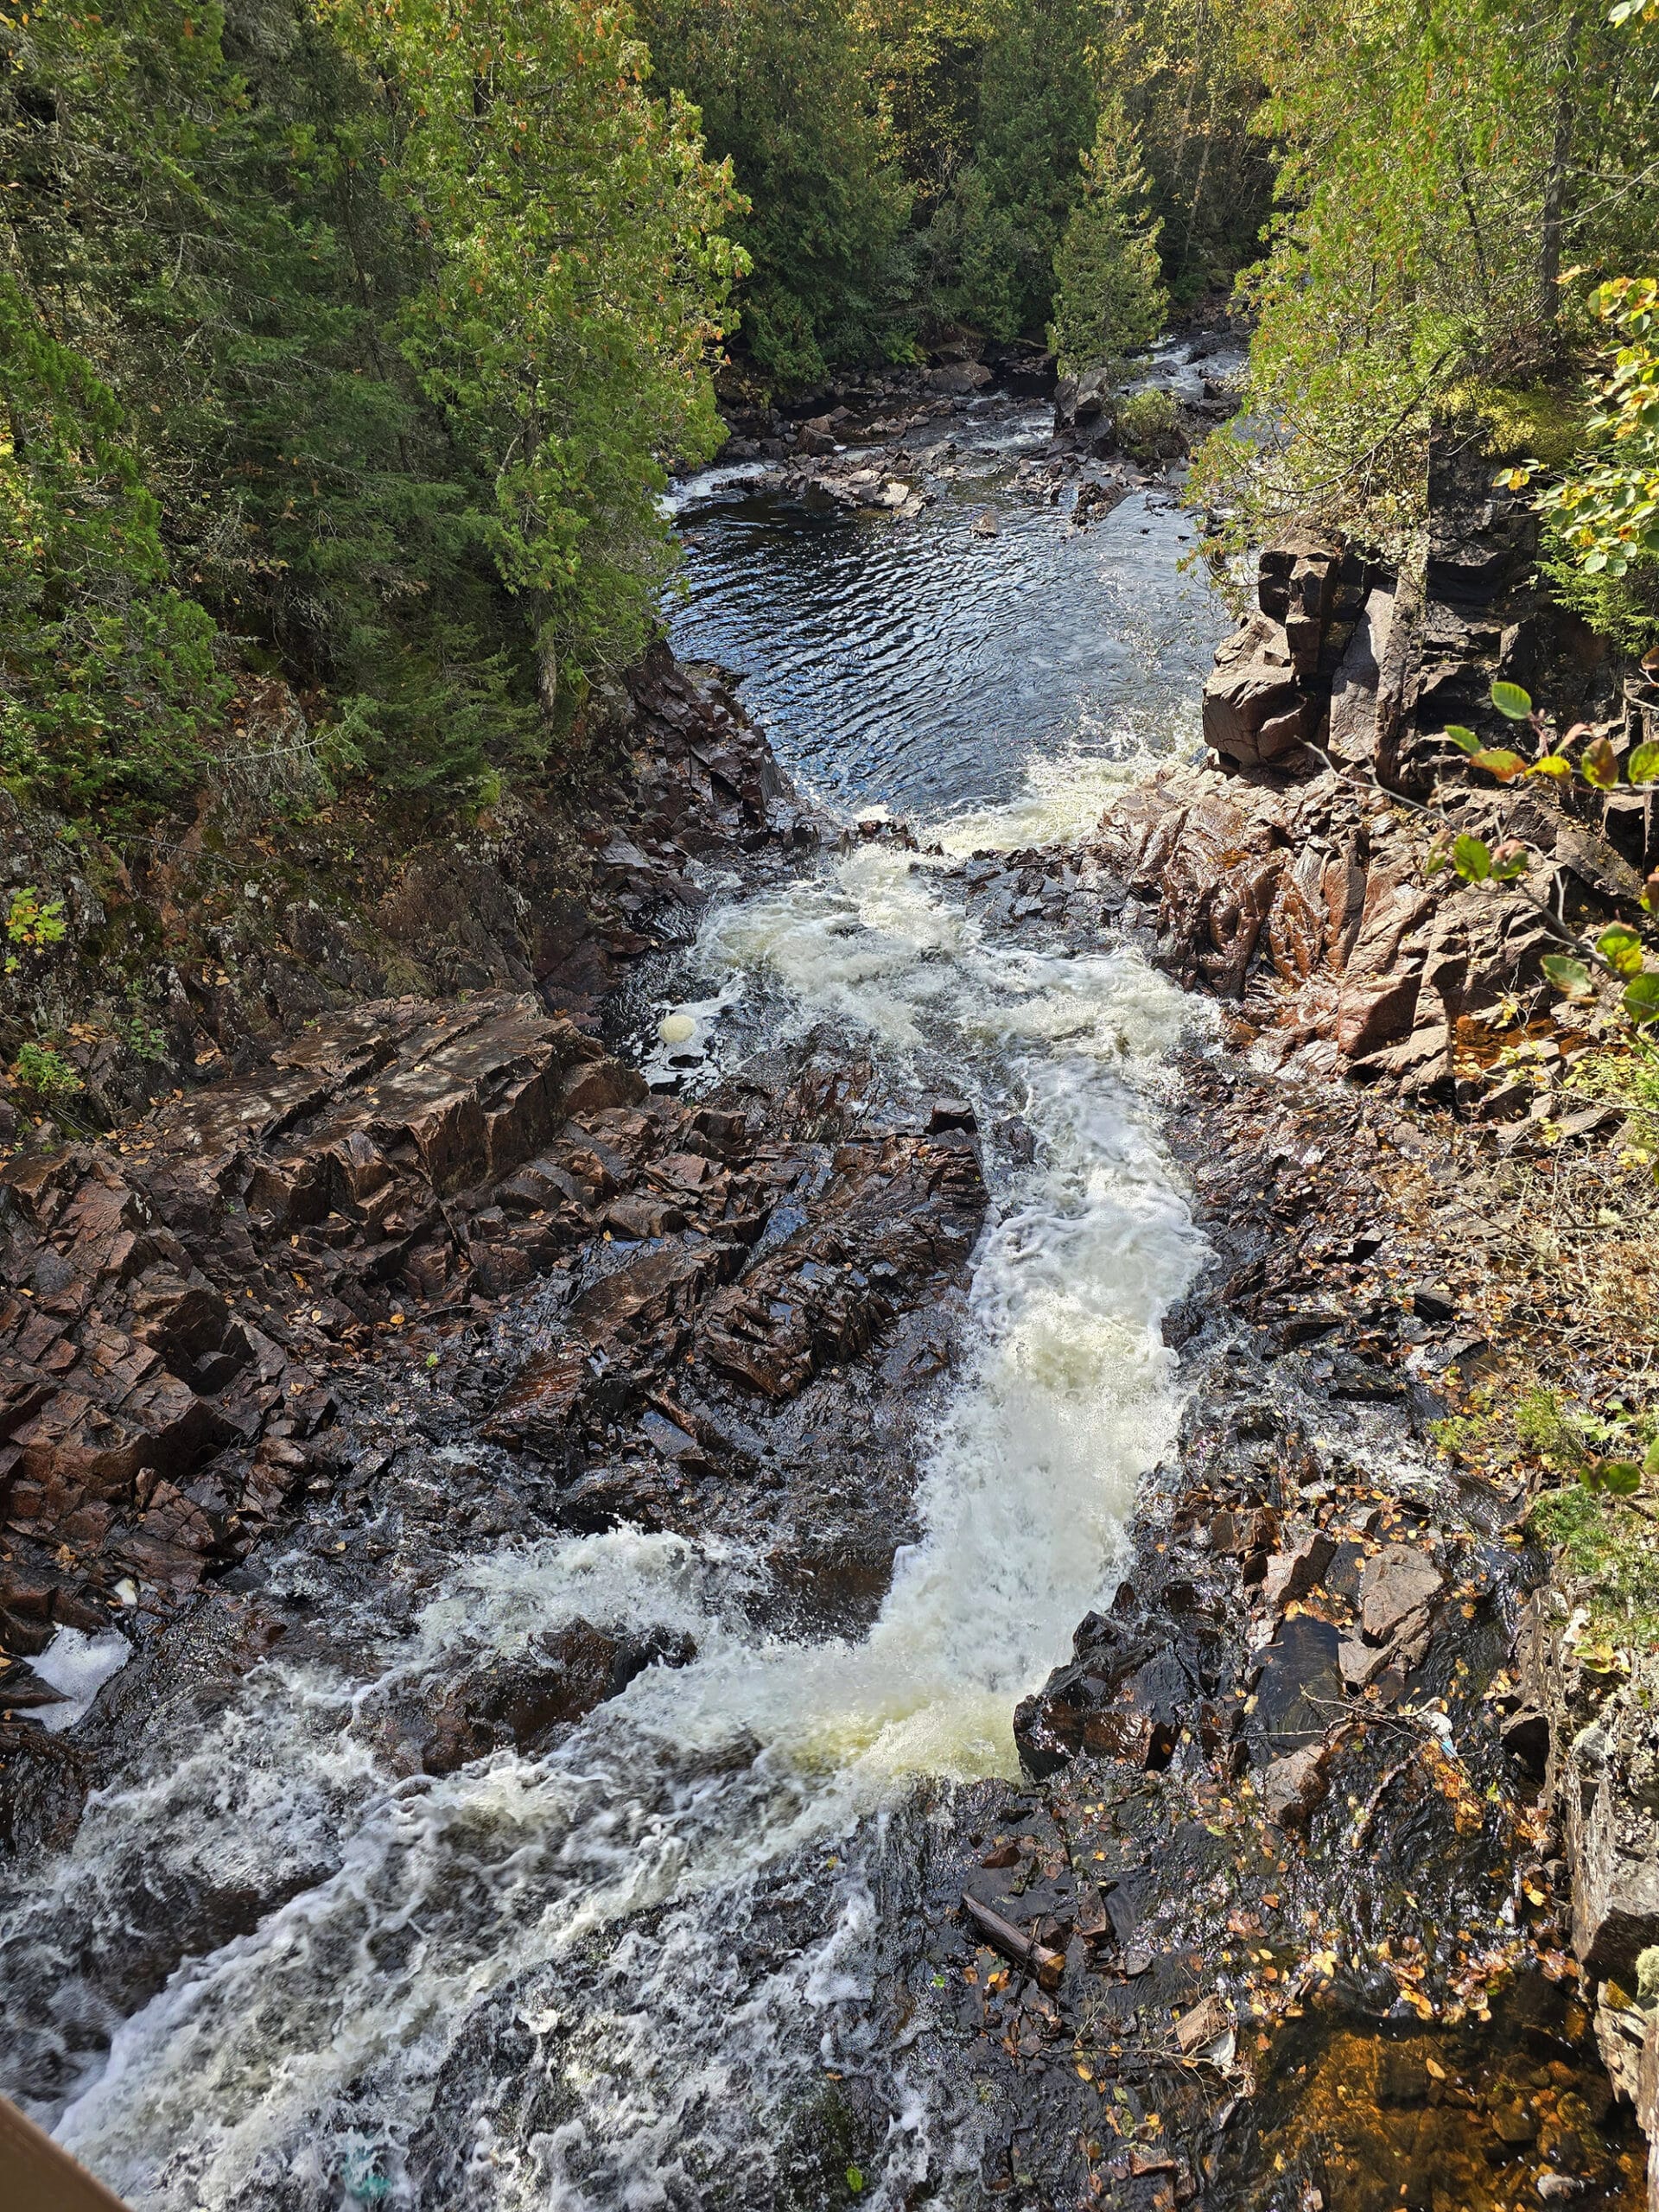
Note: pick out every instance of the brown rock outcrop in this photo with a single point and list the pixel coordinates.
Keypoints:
(160, 1396)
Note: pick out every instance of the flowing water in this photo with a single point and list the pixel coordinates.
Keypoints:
(620, 1973)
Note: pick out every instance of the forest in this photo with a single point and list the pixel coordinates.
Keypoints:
(352, 345)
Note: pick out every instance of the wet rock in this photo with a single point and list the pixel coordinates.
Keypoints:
(1398, 1586)
(1298, 1692)
(530, 1703)
(180, 1298)
(1293, 1787)
(1294, 1574)
(1122, 1698)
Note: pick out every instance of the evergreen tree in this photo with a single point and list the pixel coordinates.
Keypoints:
(998, 229)
(1110, 299)
(356, 337)
(784, 93)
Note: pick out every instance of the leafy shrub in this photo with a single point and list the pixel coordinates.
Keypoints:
(32, 923)
(43, 1074)
(1145, 416)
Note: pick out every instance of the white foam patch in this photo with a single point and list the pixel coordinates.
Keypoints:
(77, 1665)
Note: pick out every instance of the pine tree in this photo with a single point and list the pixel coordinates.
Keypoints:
(1109, 293)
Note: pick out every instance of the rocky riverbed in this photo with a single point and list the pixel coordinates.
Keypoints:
(533, 1440)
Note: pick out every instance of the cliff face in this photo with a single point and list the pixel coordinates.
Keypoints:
(1291, 876)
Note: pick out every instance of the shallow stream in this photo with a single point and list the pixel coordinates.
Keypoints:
(617, 1975)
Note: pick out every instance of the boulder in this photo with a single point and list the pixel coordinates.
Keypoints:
(958, 378)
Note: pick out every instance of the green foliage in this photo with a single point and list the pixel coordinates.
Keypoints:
(355, 337)
(1436, 162)
(1608, 507)
(1626, 1079)
(142, 1038)
(785, 94)
(109, 670)
(1618, 951)
(44, 1074)
(1144, 416)
(994, 241)
(1611, 1545)
(1110, 299)
(917, 161)
(1186, 72)
(1624, 609)
(32, 923)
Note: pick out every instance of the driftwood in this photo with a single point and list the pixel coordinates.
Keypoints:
(1025, 1950)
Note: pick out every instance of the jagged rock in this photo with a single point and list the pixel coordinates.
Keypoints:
(1122, 1698)
(1615, 1886)
(530, 1701)
(1255, 711)
(1294, 1574)
(156, 1409)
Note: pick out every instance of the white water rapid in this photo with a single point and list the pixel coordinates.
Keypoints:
(539, 1982)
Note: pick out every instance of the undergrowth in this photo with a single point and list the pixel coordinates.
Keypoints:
(1607, 1541)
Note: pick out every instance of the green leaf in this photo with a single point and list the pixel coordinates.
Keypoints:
(1570, 978)
(1464, 740)
(1623, 1477)
(1511, 701)
(1650, 1465)
(1472, 859)
(1496, 761)
(1621, 949)
(854, 2179)
(1642, 767)
(1641, 998)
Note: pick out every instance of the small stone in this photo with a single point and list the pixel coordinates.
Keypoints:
(1360, 1664)
(951, 1114)
(1136, 1960)
(1514, 2123)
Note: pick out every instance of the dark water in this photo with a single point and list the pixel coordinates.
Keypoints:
(912, 666)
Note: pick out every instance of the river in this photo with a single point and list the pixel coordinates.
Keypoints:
(620, 1975)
